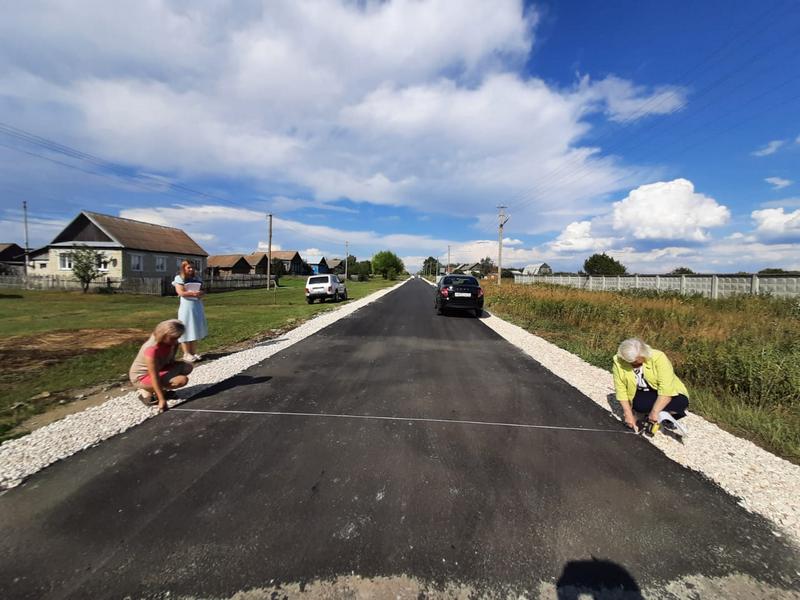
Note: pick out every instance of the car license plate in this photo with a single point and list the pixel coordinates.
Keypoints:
(463, 294)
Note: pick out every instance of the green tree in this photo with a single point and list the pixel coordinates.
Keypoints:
(85, 265)
(603, 264)
(776, 271)
(487, 266)
(385, 260)
(429, 265)
(363, 269)
(681, 271)
(277, 270)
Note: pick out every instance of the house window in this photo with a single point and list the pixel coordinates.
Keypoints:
(65, 261)
(102, 263)
(161, 263)
(137, 262)
(43, 265)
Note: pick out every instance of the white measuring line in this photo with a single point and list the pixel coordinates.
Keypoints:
(372, 417)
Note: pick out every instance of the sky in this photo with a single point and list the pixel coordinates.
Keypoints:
(665, 134)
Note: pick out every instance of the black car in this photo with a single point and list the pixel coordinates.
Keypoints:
(459, 291)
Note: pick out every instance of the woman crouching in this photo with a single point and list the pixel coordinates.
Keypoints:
(155, 371)
(645, 383)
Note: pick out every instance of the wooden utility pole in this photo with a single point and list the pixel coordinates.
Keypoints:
(346, 257)
(269, 252)
(25, 213)
(502, 219)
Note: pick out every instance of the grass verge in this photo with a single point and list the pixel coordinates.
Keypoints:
(31, 368)
(739, 357)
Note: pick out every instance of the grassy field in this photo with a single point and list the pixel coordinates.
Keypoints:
(740, 357)
(56, 341)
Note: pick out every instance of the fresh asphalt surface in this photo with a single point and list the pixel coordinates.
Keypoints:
(210, 503)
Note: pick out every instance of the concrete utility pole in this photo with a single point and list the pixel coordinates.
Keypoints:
(502, 219)
(269, 252)
(448, 259)
(25, 213)
(346, 256)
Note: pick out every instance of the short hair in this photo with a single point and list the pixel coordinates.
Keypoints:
(633, 348)
(170, 327)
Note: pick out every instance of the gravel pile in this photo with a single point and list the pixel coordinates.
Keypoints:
(25, 456)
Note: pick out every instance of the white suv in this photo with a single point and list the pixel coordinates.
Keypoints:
(325, 286)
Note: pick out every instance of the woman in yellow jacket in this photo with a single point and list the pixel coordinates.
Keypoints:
(645, 383)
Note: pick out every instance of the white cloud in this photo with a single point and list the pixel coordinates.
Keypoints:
(775, 224)
(786, 203)
(771, 148)
(511, 242)
(778, 183)
(668, 210)
(420, 104)
(578, 237)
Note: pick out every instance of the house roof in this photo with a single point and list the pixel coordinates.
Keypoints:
(334, 262)
(315, 260)
(224, 261)
(138, 235)
(284, 254)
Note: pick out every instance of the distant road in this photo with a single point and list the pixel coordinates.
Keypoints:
(394, 442)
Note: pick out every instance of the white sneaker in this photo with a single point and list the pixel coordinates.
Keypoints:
(189, 358)
(669, 422)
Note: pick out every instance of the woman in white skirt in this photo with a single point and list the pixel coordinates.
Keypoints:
(190, 311)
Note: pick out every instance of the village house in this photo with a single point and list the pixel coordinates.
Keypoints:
(317, 264)
(537, 269)
(292, 262)
(225, 265)
(128, 248)
(12, 256)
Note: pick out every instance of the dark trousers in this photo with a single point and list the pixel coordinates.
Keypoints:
(643, 402)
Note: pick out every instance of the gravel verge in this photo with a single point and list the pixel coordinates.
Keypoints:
(764, 483)
(22, 457)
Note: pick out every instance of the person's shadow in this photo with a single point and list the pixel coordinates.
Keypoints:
(598, 579)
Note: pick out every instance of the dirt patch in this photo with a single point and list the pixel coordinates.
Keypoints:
(27, 353)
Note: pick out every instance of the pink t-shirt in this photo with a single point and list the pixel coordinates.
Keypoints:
(163, 353)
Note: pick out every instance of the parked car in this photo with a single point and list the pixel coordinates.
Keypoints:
(459, 291)
(325, 286)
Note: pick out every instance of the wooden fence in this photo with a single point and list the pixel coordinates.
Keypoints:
(152, 286)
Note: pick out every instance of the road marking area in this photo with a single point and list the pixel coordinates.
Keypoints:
(384, 418)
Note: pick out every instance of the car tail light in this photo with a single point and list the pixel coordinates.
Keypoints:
(307, 290)
(330, 289)
(480, 292)
(445, 292)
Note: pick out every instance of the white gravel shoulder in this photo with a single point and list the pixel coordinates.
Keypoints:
(764, 483)
(25, 456)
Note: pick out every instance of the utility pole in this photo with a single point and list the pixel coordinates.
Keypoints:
(502, 219)
(269, 252)
(346, 257)
(448, 259)
(25, 213)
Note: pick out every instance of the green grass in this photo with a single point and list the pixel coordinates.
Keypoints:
(233, 317)
(739, 357)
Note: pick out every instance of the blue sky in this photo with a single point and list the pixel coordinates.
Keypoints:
(666, 134)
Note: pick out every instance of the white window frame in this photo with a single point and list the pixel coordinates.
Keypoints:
(141, 263)
(102, 263)
(64, 258)
(161, 263)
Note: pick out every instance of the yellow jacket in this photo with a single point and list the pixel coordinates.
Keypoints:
(657, 372)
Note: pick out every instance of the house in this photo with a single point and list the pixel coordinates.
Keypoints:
(128, 248)
(258, 262)
(538, 269)
(317, 264)
(224, 265)
(292, 263)
(12, 256)
(336, 265)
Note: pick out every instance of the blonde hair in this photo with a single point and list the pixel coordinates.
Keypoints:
(633, 348)
(169, 328)
(185, 263)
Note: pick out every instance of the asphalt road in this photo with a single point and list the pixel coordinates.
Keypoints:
(207, 504)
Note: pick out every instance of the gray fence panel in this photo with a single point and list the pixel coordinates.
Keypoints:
(727, 285)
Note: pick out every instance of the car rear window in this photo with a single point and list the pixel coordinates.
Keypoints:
(317, 280)
(460, 281)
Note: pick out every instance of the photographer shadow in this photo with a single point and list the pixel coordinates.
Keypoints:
(597, 579)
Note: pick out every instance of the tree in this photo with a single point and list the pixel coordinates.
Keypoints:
(487, 266)
(385, 260)
(277, 270)
(85, 265)
(776, 271)
(429, 265)
(603, 264)
(681, 271)
(363, 269)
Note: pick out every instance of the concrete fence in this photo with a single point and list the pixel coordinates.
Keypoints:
(712, 286)
(152, 286)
